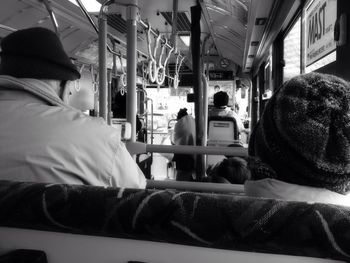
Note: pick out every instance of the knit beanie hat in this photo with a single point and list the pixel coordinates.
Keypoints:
(36, 53)
(303, 136)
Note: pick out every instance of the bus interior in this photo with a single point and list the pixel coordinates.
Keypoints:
(161, 56)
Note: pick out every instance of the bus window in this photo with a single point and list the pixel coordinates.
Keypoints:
(291, 52)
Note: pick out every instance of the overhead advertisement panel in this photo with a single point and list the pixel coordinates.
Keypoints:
(320, 19)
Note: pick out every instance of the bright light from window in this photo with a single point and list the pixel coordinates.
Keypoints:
(186, 40)
(90, 5)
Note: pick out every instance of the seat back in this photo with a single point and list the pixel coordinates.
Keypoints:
(65, 221)
(221, 129)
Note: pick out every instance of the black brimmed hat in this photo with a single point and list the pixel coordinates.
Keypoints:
(36, 53)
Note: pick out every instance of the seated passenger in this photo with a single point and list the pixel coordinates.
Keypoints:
(42, 138)
(300, 146)
(232, 170)
(221, 109)
(184, 134)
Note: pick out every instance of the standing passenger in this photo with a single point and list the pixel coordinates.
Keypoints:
(184, 134)
(301, 145)
(42, 138)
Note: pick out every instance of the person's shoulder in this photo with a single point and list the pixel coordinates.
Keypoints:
(85, 123)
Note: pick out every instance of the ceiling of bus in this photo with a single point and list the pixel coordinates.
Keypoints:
(227, 22)
(231, 24)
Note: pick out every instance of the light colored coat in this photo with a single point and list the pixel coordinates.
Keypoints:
(272, 188)
(185, 131)
(42, 139)
(227, 112)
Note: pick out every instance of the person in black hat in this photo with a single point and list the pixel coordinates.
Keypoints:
(300, 148)
(42, 138)
(222, 110)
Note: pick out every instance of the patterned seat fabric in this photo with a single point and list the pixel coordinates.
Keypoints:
(189, 218)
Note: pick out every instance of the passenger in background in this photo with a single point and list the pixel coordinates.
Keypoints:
(184, 134)
(216, 88)
(300, 148)
(233, 170)
(220, 109)
(42, 138)
(119, 109)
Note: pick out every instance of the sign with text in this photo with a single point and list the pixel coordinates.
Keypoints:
(320, 19)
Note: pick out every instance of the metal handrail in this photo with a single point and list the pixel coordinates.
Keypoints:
(137, 148)
(196, 186)
(7, 28)
(145, 25)
(52, 16)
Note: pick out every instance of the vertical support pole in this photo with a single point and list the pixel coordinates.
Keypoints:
(102, 59)
(205, 109)
(205, 79)
(131, 16)
(197, 84)
(254, 103)
(174, 25)
(110, 81)
(205, 117)
(234, 91)
(261, 77)
(109, 97)
(114, 65)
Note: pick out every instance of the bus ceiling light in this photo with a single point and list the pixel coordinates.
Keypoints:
(186, 40)
(90, 5)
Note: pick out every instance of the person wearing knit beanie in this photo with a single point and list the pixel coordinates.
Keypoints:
(43, 138)
(303, 139)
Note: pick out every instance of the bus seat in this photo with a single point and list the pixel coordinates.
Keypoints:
(80, 223)
(222, 131)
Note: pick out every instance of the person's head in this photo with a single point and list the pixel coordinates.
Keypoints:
(220, 99)
(37, 53)
(181, 113)
(303, 136)
(216, 88)
(232, 169)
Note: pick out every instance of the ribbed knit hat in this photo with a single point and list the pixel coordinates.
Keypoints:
(303, 136)
(36, 53)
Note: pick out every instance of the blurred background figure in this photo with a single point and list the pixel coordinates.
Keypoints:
(184, 134)
(233, 170)
(216, 88)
